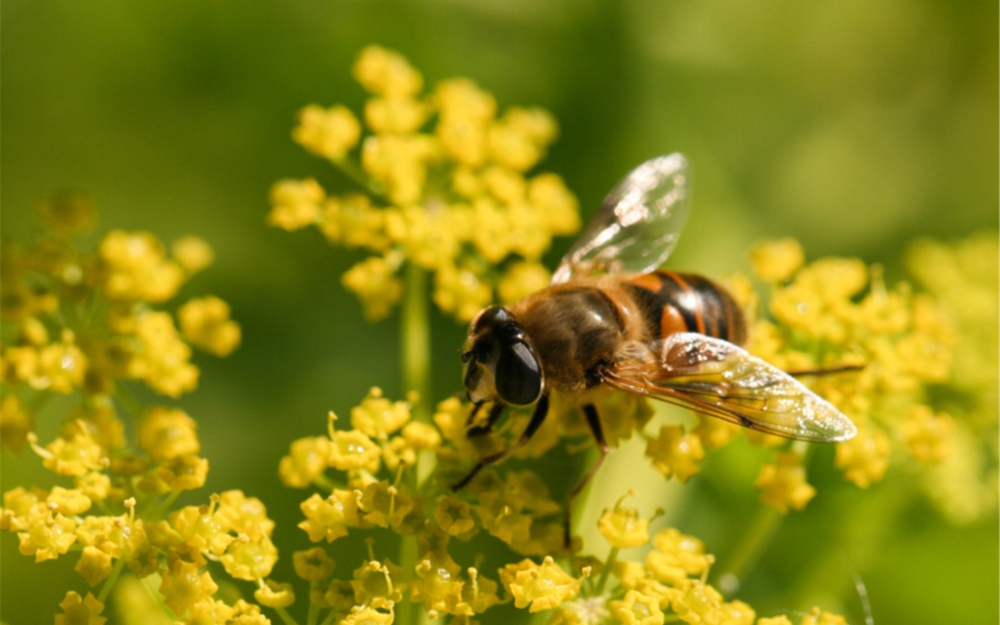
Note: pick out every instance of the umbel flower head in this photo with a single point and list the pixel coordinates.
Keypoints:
(445, 185)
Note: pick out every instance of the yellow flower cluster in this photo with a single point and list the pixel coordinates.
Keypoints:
(891, 345)
(84, 324)
(963, 277)
(80, 321)
(668, 586)
(445, 187)
(511, 506)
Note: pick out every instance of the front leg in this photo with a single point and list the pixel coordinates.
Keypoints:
(479, 430)
(537, 418)
(594, 421)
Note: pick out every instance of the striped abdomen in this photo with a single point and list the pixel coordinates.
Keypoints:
(683, 302)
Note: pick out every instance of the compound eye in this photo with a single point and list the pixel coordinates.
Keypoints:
(518, 375)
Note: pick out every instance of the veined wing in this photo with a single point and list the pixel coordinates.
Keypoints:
(638, 225)
(717, 378)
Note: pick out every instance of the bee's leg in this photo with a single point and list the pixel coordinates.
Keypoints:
(541, 410)
(491, 418)
(595, 429)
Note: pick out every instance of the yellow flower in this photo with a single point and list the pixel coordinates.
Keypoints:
(397, 115)
(296, 203)
(522, 279)
(166, 433)
(353, 450)
(94, 565)
(454, 516)
(378, 417)
(76, 455)
(101, 419)
(421, 435)
(163, 362)
(697, 603)
(374, 282)
(182, 586)
(249, 557)
(675, 453)
(329, 518)
(777, 260)
(67, 502)
(637, 609)
(384, 505)
(542, 587)
(783, 484)
(464, 113)
(79, 611)
(329, 133)
(715, 433)
(556, 204)
(306, 460)
(44, 535)
(478, 595)
(205, 323)
(353, 219)
(374, 585)
(193, 254)
(928, 436)
(676, 557)
(622, 527)
(95, 486)
(460, 291)
(61, 367)
(864, 458)
(247, 515)
(181, 473)
(588, 611)
(275, 595)
(201, 528)
(135, 268)
(313, 565)
(361, 615)
(387, 73)
(437, 583)
(15, 423)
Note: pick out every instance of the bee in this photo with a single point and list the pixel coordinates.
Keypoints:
(611, 319)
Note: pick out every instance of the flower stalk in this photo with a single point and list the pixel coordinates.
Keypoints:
(415, 339)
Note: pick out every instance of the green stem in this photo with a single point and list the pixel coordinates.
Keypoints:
(350, 169)
(313, 606)
(157, 513)
(330, 617)
(602, 582)
(416, 341)
(128, 401)
(285, 616)
(405, 613)
(110, 582)
(754, 541)
(324, 482)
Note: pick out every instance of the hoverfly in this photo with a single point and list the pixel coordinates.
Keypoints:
(611, 318)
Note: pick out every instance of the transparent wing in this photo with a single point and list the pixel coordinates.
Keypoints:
(717, 378)
(638, 224)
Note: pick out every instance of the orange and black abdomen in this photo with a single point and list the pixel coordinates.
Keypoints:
(683, 302)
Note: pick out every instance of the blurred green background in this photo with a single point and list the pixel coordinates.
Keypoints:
(853, 126)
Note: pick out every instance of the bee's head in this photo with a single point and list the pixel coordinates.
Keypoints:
(500, 362)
